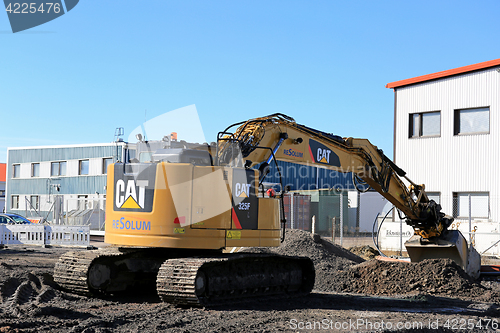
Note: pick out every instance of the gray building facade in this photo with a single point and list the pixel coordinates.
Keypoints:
(41, 179)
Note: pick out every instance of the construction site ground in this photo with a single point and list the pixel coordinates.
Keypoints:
(350, 295)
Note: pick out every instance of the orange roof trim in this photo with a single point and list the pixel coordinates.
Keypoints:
(3, 172)
(442, 74)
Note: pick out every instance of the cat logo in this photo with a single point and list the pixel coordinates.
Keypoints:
(242, 190)
(323, 155)
(133, 188)
(130, 195)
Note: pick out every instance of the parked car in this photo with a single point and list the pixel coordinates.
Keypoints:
(8, 218)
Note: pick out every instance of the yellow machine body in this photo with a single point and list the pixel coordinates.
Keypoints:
(184, 206)
(197, 203)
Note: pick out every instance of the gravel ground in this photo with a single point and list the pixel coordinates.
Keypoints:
(350, 295)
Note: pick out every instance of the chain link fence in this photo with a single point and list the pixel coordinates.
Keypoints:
(351, 218)
(345, 216)
(473, 217)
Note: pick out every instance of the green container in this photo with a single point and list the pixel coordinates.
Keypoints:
(325, 205)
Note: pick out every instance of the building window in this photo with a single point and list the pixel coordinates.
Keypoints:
(83, 167)
(15, 202)
(479, 205)
(2, 193)
(436, 196)
(58, 169)
(16, 170)
(472, 121)
(425, 124)
(105, 163)
(35, 169)
(82, 201)
(34, 200)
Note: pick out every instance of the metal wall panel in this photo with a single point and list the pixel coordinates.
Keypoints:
(296, 176)
(304, 177)
(69, 184)
(63, 153)
(451, 163)
(333, 179)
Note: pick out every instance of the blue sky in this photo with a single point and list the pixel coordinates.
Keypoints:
(109, 64)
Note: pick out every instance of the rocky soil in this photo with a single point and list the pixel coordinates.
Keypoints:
(366, 252)
(350, 295)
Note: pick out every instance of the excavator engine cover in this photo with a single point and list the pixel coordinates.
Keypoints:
(451, 245)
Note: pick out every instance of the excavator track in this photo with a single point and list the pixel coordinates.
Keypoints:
(71, 271)
(221, 280)
(192, 281)
(105, 271)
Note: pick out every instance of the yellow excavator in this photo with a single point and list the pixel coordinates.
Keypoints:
(170, 215)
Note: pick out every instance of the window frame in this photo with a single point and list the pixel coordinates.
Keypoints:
(456, 209)
(82, 201)
(80, 167)
(14, 168)
(420, 127)
(456, 121)
(12, 201)
(434, 194)
(59, 164)
(36, 206)
(104, 166)
(33, 170)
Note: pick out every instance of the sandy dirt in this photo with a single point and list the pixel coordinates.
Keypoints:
(350, 295)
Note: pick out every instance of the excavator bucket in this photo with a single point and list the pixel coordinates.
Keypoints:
(451, 245)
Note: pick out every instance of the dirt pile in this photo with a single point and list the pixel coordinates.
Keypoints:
(339, 270)
(366, 252)
(23, 294)
(26, 284)
(328, 258)
(30, 304)
(301, 243)
(433, 276)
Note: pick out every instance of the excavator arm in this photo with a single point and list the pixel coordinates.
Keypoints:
(279, 136)
(259, 141)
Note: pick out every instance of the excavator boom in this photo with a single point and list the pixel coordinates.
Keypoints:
(292, 142)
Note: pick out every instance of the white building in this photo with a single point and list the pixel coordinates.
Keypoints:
(48, 179)
(447, 136)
